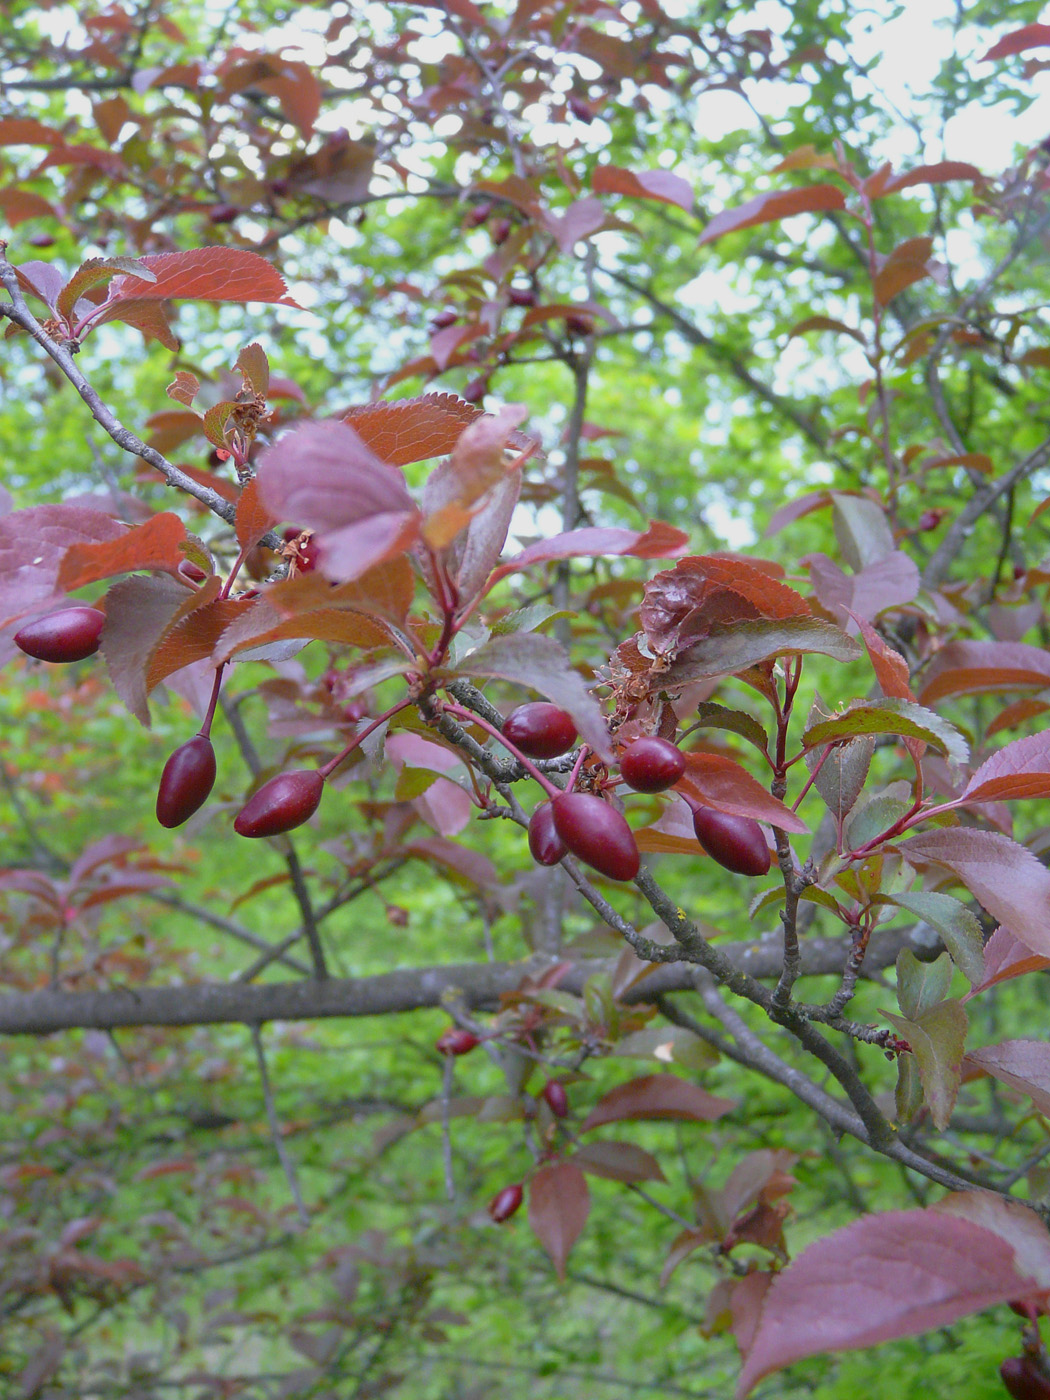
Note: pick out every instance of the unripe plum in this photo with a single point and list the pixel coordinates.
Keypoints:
(546, 845)
(456, 1041)
(282, 804)
(540, 730)
(70, 635)
(188, 778)
(597, 834)
(504, 1203)
(651, 764)
(737, 843)
(1023, 1379)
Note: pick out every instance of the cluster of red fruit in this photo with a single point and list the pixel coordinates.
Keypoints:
(1024, 1378)
(581, 823)
(589, 828)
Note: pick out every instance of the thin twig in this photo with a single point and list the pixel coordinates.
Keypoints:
(287, 1165)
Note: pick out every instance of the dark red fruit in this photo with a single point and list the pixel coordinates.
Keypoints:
(556, 1099)
(69, 635)
(540, 730)
(443, 320)
(476, 389)
(281, 804)
(500, 231)
(929, 520)
(1023, 1379)
(546, 845)
(579, 109)
(579, 325)
(735, 842)
(651, 764)
(522, 296)
(279, 188)
(504, 1203)
(597, 834)
(192, 571)
(478, 214)
(41, 240)
(456, 1041)
(188, 778)
(223, 213)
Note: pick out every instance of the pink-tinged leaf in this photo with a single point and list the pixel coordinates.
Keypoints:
(719, 782)
(194, 632)
(540, 664)
(203, 274)
(253, 519)
(475, 551)
(643, 184)
(1031, 36)
(1010, 1221)
(183, 388)
(154, 545)
(769, 208)
(138, 610)
(891, 716)
(445, 343)
(91, 274)
(737, 646)
(254, 366)
(18, 205)
(1006, 957)
(887, 583)
(937, 1036)
(259, 624)
(477, 463)
(582, 218)
(795, 510)
(471, 866)
(880, 1278)
(908, 263)
(1023, 1064)
(618, 1161)
(968, 668)
(134, 882)
(412, 430)
(149, 317)
(445, 807)
(820, 323)
(657, 1096)
(323, 477)
(1021, 769)
(1006, 878)
(660, 541)
(108, 850)
(42, 280)
(33, 544)
(559, 1204)
(936, 174)
(891, 669)
(403, 747)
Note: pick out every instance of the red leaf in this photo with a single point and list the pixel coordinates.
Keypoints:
(1005, 958)
(1006, 878)
(323, 477)
(1030, 36)
(202, 274)
(643, 184)
(883, 1277)
(966, 668)
(1023, 1064)
(660, 541)
(26, 131)
(33, 544)
(936, 174)
(1021, 769)
(412, 430)
(18, 205)
(795, 510)
(559, 1204)
(475, 551)
(891, 669)
(768, 208)
(453, 489)
(657, 1096)
(719, 782)
(253, 519)
(154, 545)
(618, 1161)
(171, 428)
(138, 610)
(583, 217)
(194, 632)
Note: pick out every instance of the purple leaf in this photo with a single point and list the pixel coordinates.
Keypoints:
(1006, 957)
(657, 1096)
(888, 1276)
(1023, 1064)
(658, 542)
(1021, 769)
(559, 1204)
(322, 477)
(1006, 878)
(138, 610)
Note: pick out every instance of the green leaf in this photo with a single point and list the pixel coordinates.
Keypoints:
(921, 985)
(669, 1045)
(875, 814)
(938, 1042)
(959, 928)
(712, 716)
(891, 716)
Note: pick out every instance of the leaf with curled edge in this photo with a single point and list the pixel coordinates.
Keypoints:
(937, 1037)
(385, 591)
(1023, 1064)
(660, 185)
(1020, 769)
(193, 631)
(478, 462)
(721, 783)
(183, 388)
(969, 668)
(659, 541)
(737, 646)
(1006, 957)
(262, 624)
(91, 274)
(770, 208)
(657, 1096)
(138, 611)
(200, 274)
(1011, 883)
(255, 368)
(891, 669)
(559, 1204)
(902, 718)
(891, 1275)
(541, 664)
(704, 591)
(152, 545)
(412, 430)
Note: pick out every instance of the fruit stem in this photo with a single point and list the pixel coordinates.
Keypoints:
(460, 712)
(327, 769)
(205, 730)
